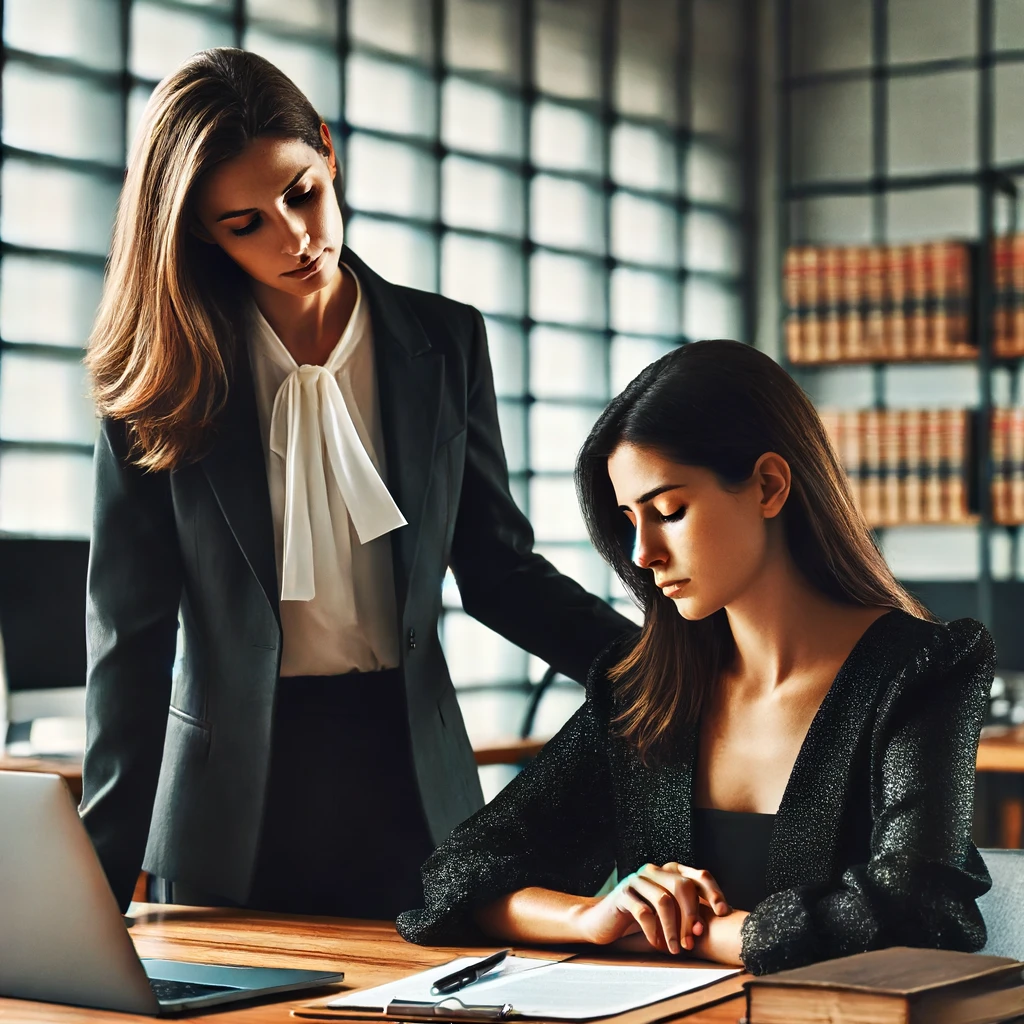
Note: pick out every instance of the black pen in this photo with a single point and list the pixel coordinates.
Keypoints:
(467, 975)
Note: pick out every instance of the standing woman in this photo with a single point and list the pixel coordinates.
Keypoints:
(292, 453)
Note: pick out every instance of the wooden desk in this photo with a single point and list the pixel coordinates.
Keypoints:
(369, 952)
(70, 768)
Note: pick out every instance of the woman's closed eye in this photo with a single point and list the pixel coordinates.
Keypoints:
(298, 200)
(673, 517)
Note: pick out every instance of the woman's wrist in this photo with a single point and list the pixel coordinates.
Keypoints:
(576, 919)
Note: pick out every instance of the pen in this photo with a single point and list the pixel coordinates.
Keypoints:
(467, 975)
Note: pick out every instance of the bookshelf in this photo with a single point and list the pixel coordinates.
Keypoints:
(863, 169)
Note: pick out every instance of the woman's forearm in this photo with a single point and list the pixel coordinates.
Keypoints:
(536, 915)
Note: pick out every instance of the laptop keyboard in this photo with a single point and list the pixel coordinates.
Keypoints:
(171, 991)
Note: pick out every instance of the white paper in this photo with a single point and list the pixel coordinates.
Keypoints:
(416, 987)
(548, 989)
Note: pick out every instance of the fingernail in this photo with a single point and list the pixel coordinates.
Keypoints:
(698, 928)
(721, 908)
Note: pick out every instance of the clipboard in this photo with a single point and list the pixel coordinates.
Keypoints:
(654, 1013)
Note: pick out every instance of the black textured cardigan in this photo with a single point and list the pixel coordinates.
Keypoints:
(872, 840)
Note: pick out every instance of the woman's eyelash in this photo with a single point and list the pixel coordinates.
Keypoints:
(674, 516)
(298, 200)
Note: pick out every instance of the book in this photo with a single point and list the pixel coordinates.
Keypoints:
(891, 986)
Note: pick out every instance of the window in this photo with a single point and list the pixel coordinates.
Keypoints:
(577, 178)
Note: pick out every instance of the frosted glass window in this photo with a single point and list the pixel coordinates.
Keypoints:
(476, 654)
(644, 303)
(566, 214)
(711, 312)
(829, 36)
(932, 122)
(313, 69)
(931, 30)
(481, 196)
(567, 42)
(932, 552)
(831, 131)
(643, 231)
(713, 177)
(831, 220)
(643, 158)
(390, 177)
(507, 349)
(399, 26)
(845, 387)
(583, 564)
(568, 364)
(713, 244)
(566, 290)
(715, 77)
(557, 706)
(401, 254)
(1008, 134)
(483, 35)
(647, 60)
(512, 422)
(138, 97)
(630, 355)
(480, 120)
(315, 16)
(77, 215)
(160, 38)
(932, 213)
(61, 114)
(956, 386)
(86, 31)
(387, 96)
(565, 139)
(1009, 18)
(46, 494)
(557, 433)
(47, 302)
(554, 509)
(493, 714)
(483, 273)
(44, 400)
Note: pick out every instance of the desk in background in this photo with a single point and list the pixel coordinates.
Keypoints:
(369, 952)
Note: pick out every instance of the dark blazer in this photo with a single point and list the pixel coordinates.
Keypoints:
(872, 841)
(175, 773)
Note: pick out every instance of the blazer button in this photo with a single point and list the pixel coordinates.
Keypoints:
(412, 639)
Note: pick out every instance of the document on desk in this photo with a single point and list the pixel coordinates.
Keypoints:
(550, 990)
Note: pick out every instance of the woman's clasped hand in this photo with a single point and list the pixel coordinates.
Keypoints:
(668, 905)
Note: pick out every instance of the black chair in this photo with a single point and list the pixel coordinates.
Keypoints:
(1002, 906)
(42, 631)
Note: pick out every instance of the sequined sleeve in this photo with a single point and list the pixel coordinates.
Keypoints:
(552, 826)
(924, 874)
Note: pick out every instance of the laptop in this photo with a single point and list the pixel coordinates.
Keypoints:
(62, 936)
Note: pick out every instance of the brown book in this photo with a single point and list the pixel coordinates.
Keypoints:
(810, 302)
(955, 455)
(832, 299)
(793, 293)
(896, 258)
(999, 443)
(1016, 300)
(1015, 458)
(892, 457)
(913, 504)
(852, 269)
(871, 485)
(917, 300)
(1002, 283)
(931, 465)
(891, 986)
(850, 452)
(874, 300)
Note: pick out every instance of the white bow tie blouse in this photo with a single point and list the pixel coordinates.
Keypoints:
(331, 508)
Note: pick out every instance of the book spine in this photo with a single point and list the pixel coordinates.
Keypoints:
(874, 295)
(892, 505)
(832, 298)
(917, 301)
(913, 509)
(1015, 446)
(956, 454)
(1016, 298)
(853, 269)
(872, 461)
(850, 436)
(932, 466)
(896, 300)
(812, 326)
(793, 293)
(1002, 323)
(1000, 477)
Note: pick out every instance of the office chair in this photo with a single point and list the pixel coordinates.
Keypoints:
(1002, 906)
(42, 632)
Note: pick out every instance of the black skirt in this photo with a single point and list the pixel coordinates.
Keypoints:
(344, 833)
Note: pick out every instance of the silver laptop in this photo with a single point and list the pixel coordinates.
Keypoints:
(62, 937)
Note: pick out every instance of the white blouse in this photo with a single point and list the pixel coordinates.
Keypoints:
(331, 508)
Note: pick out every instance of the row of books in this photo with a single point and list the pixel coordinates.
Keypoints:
(905, 466)
(1007, 442)
(883, 302)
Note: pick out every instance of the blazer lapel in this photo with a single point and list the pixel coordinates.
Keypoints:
(410, 377)
(237, 472)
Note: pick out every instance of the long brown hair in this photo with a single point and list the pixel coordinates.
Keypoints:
(163, 343)
(721, 405)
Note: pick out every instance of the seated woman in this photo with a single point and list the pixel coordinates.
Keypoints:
(781, 768)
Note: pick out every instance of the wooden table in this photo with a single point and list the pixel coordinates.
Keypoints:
(369, 952)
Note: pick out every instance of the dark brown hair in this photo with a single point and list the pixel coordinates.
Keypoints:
(721, 405)
(162, 345)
